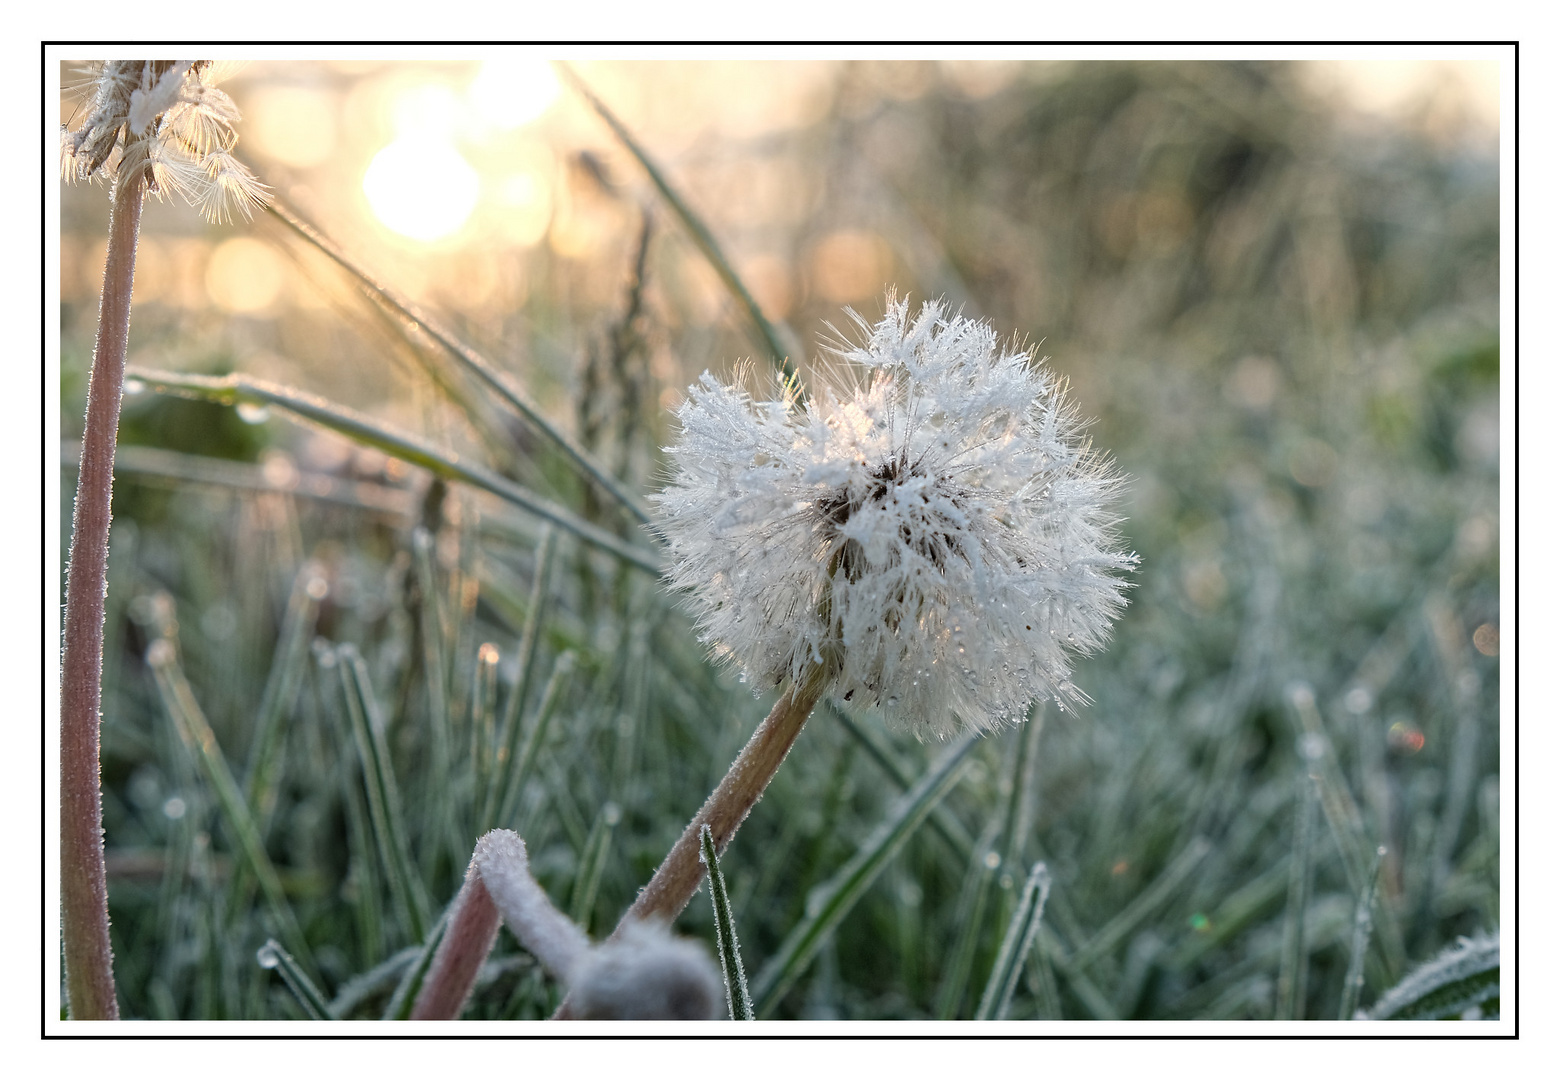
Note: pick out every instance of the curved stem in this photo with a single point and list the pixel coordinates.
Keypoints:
(89, 957)
(681, 871)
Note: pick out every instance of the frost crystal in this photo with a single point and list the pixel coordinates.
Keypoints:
(932, 528)
(164, 118)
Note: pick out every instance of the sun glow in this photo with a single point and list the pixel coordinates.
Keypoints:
(421, 187)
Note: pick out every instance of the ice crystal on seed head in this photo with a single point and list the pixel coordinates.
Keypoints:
(931, 526)
(164, 119)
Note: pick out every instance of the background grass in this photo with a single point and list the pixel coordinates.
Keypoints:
(1284, 318)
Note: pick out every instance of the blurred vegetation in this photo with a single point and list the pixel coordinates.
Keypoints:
(1284, 318)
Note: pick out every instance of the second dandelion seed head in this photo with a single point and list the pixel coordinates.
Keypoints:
(930, 530)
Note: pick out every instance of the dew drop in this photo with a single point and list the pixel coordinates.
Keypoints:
(250, 413)
(266, 956)
(134, 387)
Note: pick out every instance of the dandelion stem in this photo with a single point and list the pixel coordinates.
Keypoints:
(680, 872)
(89, 957)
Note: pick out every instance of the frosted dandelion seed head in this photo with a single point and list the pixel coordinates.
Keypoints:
(931, 527)
(165, 120)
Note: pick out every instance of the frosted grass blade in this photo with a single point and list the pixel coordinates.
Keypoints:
(515, 777)
(833, 900)
(236, 389)
(1016, 943)
(1463, 978)
(942, 821)
(1290, 996)
(768, 336)
(273, 957)
(472, 360)
(405, 996)
(1133, 915)
(593, 864)
(369, 984)
(195, 733)
(384, 803)
(738, 1004)
(530, 634)
(969, 917)
(281, 690)
(1354, 978)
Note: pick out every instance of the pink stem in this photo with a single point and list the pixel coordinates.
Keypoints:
(89, 956)
(472, 931)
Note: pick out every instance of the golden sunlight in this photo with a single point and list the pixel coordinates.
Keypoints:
(421, 187)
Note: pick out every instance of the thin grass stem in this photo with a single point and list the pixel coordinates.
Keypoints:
(833, 900)
(472, 360)
(235, 389)
(765, 332)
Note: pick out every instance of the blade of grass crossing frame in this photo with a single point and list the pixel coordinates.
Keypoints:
(1354, 978)
(738, 1004)
(384, 804)
(472, 360)
(237, 389)
(273, 957)
(1290, 996)
(484, 727)
(515, 777)
(969, 917)
(833, 900)
(593, 863)
(942, 821)
(281, 690)
(1164, 887)
(1016, 943)
(439, 807)
(405, 996)
(530, 634)
(195, 733)
(764, 330)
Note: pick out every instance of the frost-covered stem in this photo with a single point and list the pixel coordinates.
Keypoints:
(89, 958)
(681, 871)
(472, 930)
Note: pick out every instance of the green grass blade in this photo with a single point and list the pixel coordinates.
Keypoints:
(1049, 948)
(833, 900)
(530, 634)
(371, 983)
(1290, 996)
(405, 996)
(472, 360)
(237, 389)
(593, 863)
(384, 804)
(942, 822)
(1163, 888)
(439, 807)
(969, 917)
(281, 690)
(273, 957)
(1464, 977)
(195, 733)
(514, 779)
(765, 331)
(738, 1004)
(1354, 978)
(1016, 943)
